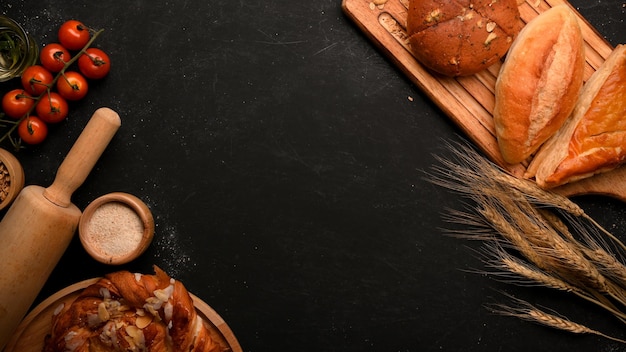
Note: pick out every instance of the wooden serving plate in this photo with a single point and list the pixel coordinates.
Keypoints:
(30, 334)
(469, 101)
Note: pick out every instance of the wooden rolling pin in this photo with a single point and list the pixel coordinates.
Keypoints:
(37, 229)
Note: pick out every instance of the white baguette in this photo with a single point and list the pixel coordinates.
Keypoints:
(539, 83)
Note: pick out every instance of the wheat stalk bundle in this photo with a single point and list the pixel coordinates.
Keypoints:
(534, 237)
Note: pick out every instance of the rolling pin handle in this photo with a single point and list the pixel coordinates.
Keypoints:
(83, 156)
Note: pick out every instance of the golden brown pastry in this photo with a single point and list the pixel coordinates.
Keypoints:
(461, 37)
(539, 83)
(131, 312)
(593, 140)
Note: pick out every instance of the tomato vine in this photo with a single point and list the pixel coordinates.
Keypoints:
(13, 134)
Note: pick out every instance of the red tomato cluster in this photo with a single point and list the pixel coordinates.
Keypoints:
(47, 88)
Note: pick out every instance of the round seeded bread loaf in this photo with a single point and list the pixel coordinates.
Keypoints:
(461, 37)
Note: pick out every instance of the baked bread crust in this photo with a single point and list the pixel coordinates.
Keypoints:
(539, 83)
(593, 140)
(461, 37)
(131, 312)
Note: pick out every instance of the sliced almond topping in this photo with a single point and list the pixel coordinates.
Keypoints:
(130, 341)
(132, 331)
(58, 309)
(490, 26)
(105, 293)
(143, 321)
(103, 313)
(164, 294)
(137, 337)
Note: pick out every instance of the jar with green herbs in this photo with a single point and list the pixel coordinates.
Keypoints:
(18, 49)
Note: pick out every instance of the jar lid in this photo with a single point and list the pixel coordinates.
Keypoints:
(116, 228)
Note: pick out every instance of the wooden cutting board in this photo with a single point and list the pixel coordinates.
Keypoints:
(30, 334)
(469, 101)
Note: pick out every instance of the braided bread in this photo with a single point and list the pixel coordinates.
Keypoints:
(131, 312)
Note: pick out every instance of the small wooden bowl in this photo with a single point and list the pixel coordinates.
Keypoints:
(116, 228)
(11, 178)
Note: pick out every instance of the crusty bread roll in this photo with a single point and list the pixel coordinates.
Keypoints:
(462, 37)
(539, 83)
(593, 140)
(131, 312)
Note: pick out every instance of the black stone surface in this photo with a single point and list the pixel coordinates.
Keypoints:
(283, 158)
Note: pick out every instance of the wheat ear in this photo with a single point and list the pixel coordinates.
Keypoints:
(527, 274)
(527, 311)
(608, 264)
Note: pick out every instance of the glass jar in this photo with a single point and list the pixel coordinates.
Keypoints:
(18, 49)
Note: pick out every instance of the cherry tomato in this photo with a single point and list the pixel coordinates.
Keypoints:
(36, 79)
(53, 57)
(16, 103)
(32, 130)
(72, 86)
(52, 108)
(73, 35)
(94, 64)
